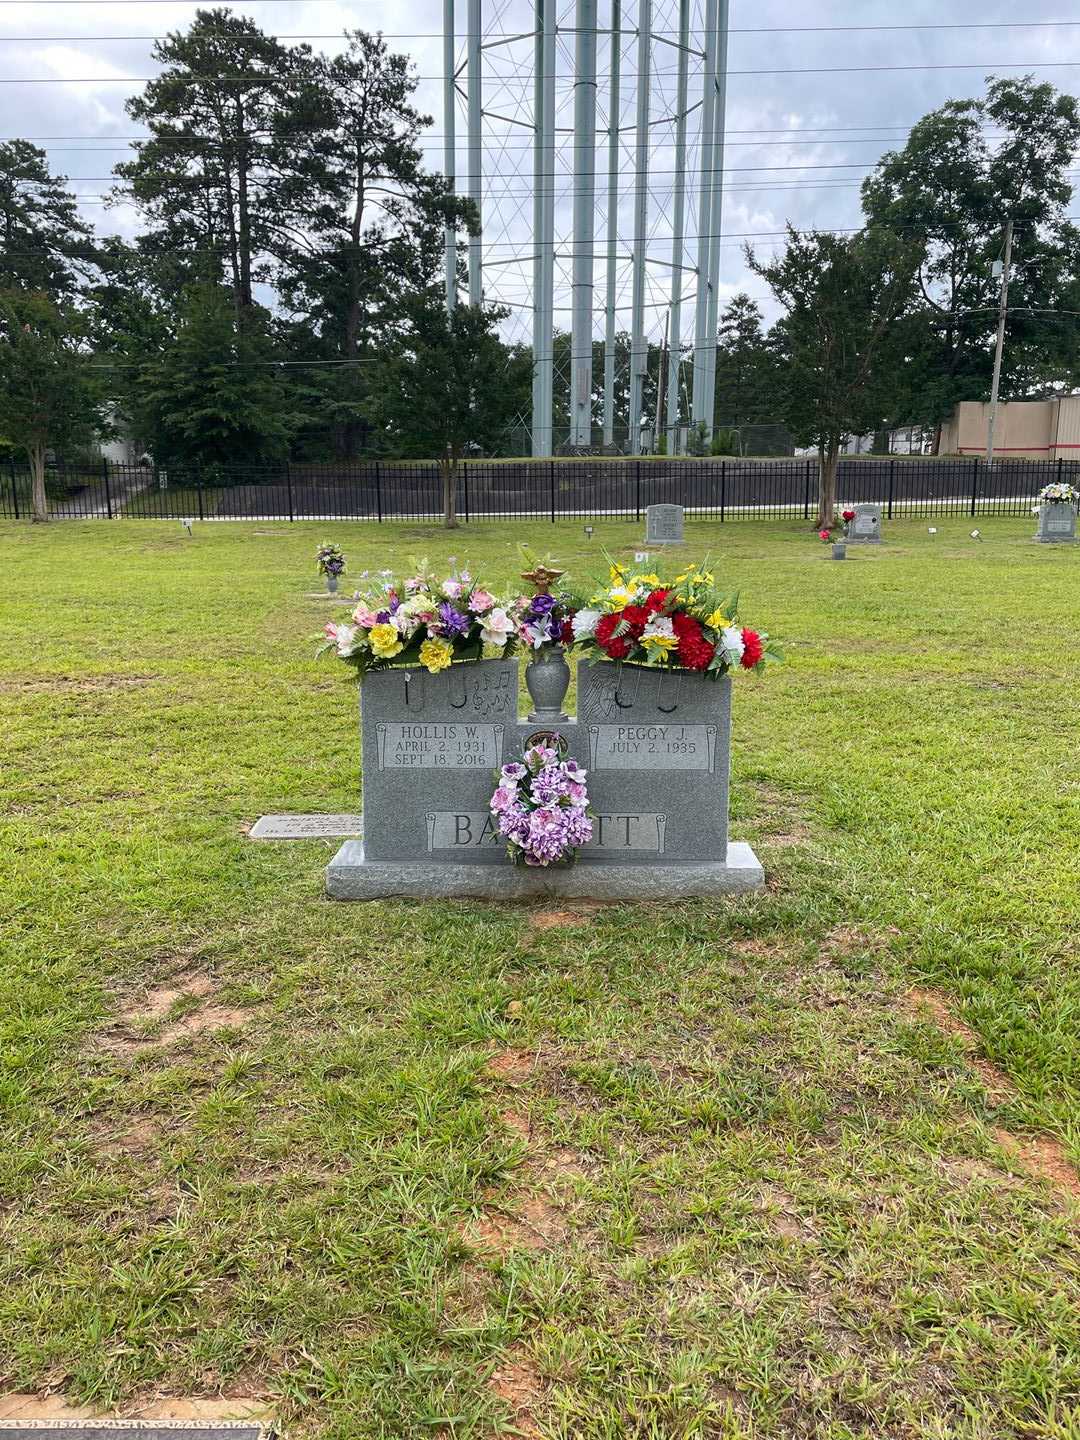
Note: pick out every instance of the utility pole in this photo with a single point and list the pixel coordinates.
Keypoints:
(1003, 308)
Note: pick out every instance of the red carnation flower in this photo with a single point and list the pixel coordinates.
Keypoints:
(753, 649)
(615, 647)
(684, 624)
(637, 617)
(567, 632)
(656, 601)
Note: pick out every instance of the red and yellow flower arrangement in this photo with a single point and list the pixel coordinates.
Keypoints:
(684, 623)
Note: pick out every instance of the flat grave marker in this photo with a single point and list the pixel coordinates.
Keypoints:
(306, 827)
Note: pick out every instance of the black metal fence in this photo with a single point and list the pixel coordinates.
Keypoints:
(717, 489)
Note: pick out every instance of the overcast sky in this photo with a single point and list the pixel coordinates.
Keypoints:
(798, 144)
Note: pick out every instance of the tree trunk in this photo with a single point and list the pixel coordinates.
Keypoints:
(448, 464)
(828, 461)
(39, 501)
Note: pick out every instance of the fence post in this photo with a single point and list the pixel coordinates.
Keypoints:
(465, 488)
(974, 482)
(14, 488)
(551, 477)
(806, 490)
(1060, 469)
(288, 490)
(637, 489)
(892, 485)
(108, 494)
(378, 491)
(723, 490)
(198, 489)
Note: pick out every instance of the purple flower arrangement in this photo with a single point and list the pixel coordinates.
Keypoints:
(541, 807)
(543, 620)
(329, 560)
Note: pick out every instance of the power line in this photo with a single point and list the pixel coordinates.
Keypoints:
(567, 80)
(570, 30)
(730, 237)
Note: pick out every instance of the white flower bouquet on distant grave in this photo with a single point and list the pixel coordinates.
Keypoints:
(1058, 493)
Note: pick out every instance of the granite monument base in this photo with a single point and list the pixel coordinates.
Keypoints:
(350, 876)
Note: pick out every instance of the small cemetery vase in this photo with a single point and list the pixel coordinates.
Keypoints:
(839, 550)
(331, 584)
(547, 678)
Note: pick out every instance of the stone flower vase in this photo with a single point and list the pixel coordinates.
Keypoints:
(839, 550)
(331, 584)
(547, 677)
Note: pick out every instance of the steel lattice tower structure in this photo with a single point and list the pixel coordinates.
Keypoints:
(535, 95)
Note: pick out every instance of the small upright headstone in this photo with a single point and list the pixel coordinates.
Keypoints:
(865, 529)
(1057, 523)
(664, 525)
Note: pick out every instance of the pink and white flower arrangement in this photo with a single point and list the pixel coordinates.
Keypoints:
(541, 807)
(423, 620)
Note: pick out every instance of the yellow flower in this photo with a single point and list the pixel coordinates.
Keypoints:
(436, 655)
(652, 581)
(620, 595)
(663, 643)
(718, 620)
(617, 573)
(385, 641)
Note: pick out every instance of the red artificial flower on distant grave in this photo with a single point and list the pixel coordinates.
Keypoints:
(753, 649)
(848, 515)
(615, 647)
(824, 534)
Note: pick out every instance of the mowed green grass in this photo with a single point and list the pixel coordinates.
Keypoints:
(680, 1170)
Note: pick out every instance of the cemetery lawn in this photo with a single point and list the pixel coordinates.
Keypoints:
(797, 1165)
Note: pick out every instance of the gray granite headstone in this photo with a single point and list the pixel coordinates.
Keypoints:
(659, 747)
(305, 827)
(1057, 523)
(865, 529)
(664, 525)
(430, 745)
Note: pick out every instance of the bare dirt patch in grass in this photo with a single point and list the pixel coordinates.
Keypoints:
(534, 1224)
(1044, 1157)
(579, 913)
(511, 1066)
(929, 1002)
(76, 685)
(160, 1000)
(134, 1138)
(127, 1036)
(516, 1383)
(781, 1211)
(31, 1408)
(517, 1123)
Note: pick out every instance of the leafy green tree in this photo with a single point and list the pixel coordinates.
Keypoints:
(45, 246)
(842, 296)
(448, 390)
(212, 396)
(219, 114)
(47, 394)
(955, 186)
(746, 372)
